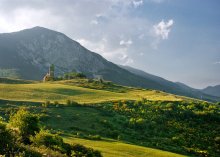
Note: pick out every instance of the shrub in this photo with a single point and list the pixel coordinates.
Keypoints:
(54, 142)
(94, 137)
(81, 151)
(27, 124)
(68, 102)
(73, 75)
(47, 139)
(138, 123)
(56, 103)
(6, 139)
(46, 104)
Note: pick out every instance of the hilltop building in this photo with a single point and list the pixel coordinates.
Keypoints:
(98, 77)
(50, 75)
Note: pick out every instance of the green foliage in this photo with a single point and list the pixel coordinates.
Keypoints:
(71, 102)
(47, 139)
(46, 104)
(27, 124)
(6, 139)
(94, 137)
(81, 151)
(73, 75)
(168, 122)
(54, 142)
(138, 123)
(186, 124)
(56, 103)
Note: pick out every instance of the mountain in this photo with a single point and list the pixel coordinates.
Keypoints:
(28, 53)
(173, 87)
(212, 90)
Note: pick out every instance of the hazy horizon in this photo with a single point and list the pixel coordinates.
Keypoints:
(176, 40)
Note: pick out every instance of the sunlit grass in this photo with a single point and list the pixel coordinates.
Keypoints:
(40, 92)
(119, 149)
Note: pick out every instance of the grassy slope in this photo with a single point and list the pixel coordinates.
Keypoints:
(119, 149)
(70, 120)
(61, 91)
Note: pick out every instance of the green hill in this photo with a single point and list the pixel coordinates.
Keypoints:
(80, 90)
(30, 59)
(118, 120)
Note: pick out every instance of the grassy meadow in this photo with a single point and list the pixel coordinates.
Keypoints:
(81, 91)
(117, 120)
(111, 148)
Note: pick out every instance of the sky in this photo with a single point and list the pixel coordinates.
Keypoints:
(178, 40)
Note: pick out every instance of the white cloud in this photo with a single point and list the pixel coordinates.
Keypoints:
(137, 3)
(94, 22)
(162, 29)
(126, 43)
(119, 55)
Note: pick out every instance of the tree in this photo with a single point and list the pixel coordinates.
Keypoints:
(6, 139)
(47, 139)
(26, 123)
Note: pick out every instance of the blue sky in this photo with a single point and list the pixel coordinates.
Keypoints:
(175, 39)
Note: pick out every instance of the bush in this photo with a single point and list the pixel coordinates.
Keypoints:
(138, 123)
(81, 151)
(73, 75)
(94, 137)
(69, 102)
(46, 104)
(26, 123)
(6, 140)
(56, 103)
(54, 142)
(47, 139)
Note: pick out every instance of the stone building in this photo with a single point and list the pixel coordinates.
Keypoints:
(50, 75)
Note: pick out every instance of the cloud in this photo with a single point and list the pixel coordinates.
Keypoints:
(118, 54)
(94, 22)
(162, 29)
(217, 62)
(108, 27)
(137, 3)
(126, 43)
(141, 54)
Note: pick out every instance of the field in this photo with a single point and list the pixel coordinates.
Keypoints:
(81, 93)
(117, 120)
(110, 148)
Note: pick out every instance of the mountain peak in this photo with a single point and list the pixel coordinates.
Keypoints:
(38, 28)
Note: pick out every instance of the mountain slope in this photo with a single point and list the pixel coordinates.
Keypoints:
(212, 90)
(31, 51)
(173, 87)
(28, 54)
